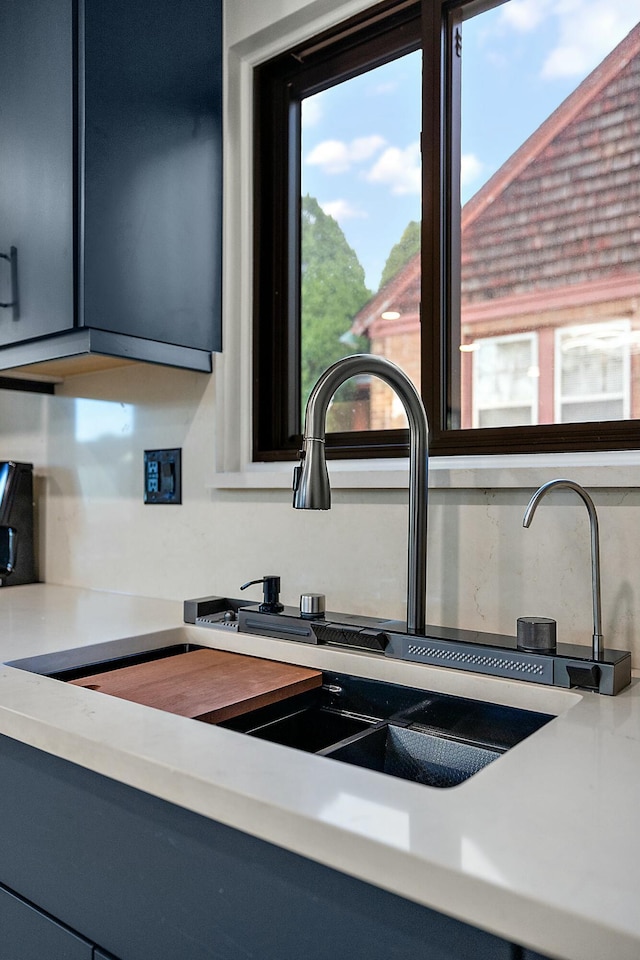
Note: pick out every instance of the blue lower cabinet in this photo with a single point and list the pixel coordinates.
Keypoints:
(29, 934)
(145, 879)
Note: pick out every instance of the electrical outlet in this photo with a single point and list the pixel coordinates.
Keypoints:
(163, 476)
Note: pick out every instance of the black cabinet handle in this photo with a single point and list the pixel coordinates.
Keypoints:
(12, 259)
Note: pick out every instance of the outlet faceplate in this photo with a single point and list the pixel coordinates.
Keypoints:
(163, 476)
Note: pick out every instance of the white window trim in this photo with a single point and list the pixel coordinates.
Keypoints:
(610, 469)
(254, 34)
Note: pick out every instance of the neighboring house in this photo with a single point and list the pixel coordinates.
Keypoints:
(550, 270)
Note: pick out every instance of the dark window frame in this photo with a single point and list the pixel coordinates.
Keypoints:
(380, 34)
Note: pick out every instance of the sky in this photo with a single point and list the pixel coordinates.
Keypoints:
(360, 156)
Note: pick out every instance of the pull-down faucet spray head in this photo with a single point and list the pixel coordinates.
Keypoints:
(311, 489)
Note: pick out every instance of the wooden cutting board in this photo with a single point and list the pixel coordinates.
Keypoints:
(209, 685)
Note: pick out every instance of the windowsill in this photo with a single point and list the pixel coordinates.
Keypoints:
(612, 469)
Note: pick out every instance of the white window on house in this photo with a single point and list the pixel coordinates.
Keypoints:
(505, 381)
(593, 372)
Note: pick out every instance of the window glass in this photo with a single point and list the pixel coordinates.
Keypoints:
(519, 318)
(505, 382)
(550, 211)
(360, 212)
(594, 366)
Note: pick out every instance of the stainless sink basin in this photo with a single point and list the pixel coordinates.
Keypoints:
(313, 729)
(430, 738)
(412, 755)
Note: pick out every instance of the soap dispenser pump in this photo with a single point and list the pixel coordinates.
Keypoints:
(271, 590)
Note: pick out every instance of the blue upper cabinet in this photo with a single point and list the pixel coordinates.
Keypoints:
(36, 167)
(111, 186)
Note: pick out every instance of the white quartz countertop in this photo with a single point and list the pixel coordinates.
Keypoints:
(540, 847)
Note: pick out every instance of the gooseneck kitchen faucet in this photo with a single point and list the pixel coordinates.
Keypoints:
(311, 488)
(597, 649)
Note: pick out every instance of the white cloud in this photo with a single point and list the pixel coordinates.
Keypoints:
(312, 111)
(567, 61)
(586, 30)
(342, 210)
(398, 169)
(470, 168)
(524, 15)
(336, 156)
(382, 89)
(331, 155)
(363, 148)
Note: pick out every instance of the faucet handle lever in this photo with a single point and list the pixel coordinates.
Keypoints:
(297, 473)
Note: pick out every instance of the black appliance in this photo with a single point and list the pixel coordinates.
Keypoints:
(17, 555)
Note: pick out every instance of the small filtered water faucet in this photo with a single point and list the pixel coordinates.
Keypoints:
(597, 641)
(311, 488)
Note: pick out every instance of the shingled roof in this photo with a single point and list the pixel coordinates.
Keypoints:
(563, 209)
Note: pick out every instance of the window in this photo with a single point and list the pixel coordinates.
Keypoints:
(360, 145)
(593, 372)
(497, 255)
(307, 271)
(505, 381)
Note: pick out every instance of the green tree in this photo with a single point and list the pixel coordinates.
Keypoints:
(402, 251)
(333, 290)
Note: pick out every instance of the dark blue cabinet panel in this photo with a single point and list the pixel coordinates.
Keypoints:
(144, 879)
(152, 169)
(36, 164)
(27, 934)
(111, 186)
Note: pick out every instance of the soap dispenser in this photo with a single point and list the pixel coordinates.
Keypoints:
(271, 592)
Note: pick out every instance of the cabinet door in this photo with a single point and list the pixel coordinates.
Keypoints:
(28, 934)
(152, 171)
(36, 164)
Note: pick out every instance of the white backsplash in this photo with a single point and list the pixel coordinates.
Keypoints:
(484, 568)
